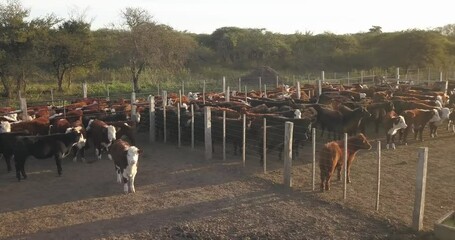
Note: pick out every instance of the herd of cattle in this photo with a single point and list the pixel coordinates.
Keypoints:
(108, 127)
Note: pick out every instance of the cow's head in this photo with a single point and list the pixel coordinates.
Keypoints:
(5, 126)
(360, 142)
(397, 124)
(297, 114)
(133, 155)
(79, 139)
(111, 133)
(435, 117)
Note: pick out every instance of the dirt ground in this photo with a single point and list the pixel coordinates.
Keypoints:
(182, 196)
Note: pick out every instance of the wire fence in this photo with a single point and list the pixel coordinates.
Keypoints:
(258, 142)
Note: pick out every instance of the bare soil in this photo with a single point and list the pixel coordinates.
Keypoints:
(182, 196)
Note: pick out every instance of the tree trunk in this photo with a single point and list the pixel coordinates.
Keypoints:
(6, 87)
(136, 83)
(60, 75)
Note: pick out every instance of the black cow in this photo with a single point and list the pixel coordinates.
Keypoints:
(352, 118)
(276, 131)
(330, 119)
(7, 143)
(41, 147)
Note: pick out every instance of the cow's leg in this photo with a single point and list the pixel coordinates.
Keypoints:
(8, 161)
(417, 134)
(119, 174)
(327, 181)
(58, 162)
(323, 177)
(387, 141)
(131, 185)
(338, 168)
(82, 153)
(421, 133)
(125, 185)
(17, 165)
(74, 152)
(393, 141)
(98, 152)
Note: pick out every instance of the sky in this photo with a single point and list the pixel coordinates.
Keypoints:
(285, 16)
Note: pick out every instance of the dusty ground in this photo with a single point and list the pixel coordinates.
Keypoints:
(182, 196)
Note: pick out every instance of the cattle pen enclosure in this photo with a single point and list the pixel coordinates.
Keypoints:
(181, 194)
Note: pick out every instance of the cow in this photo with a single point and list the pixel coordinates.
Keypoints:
(417, 119)
(41, 147)
(444, 114)
(125, 158)
(125, 129)
(352, 118)
(5, 126)
(329, 118)
(331, 158)
(378, 111)
(451, 121)
(38, 126)
(393, 123)
(7, 144)
(101, 135)
(276, 131)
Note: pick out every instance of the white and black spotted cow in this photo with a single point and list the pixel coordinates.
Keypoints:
(125, 159)
(101, 134)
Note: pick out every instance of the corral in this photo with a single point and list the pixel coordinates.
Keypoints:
(181, 195)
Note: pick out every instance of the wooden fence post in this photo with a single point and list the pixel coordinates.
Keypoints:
(264, 145)
(313, 165)
(203, 92)
(180, 97)
(224, 135)
(378, 176)
(277, 81)
(227, 94)
(133, 107)
(246, 95)
(224, 84)
(23, 103)
(421, 181)
(208, 133)
(192, 126)
(164, 125)
(164, 97)
(260, 86)
(179, 129)
(108, 98)
(84, 89)
(298, 89)
(345, 165)
(152, 134)
(244, 139)
(52, 96)
(240, 84)
(288, 138)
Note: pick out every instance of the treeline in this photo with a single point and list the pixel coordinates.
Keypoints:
(67, 49)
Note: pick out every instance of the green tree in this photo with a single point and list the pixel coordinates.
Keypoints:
(20, 41)
(146, 44)
(71, 47)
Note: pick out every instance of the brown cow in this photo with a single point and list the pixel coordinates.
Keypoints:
(38, 126)
(331, 157)
(101, 134)
(125, 158)
(416, 120)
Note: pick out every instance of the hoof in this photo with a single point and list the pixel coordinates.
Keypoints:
(387, 146)
(393, 146)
